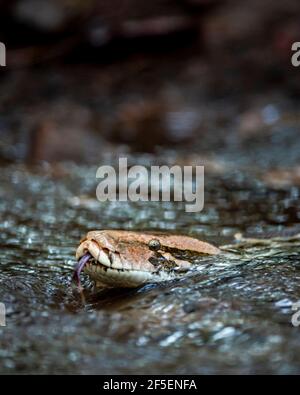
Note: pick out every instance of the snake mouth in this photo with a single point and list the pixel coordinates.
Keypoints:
(101, 266)
(88, 260)
(90, 255)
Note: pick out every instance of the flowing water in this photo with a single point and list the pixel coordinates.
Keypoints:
(232, 314)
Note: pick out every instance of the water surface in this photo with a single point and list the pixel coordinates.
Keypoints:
(230, 315)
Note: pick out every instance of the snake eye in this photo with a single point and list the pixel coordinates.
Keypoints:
(154, 245)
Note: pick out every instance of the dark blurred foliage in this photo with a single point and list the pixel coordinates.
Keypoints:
(82, 28)
(191, 75)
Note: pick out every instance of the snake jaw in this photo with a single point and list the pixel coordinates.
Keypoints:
(88, 246)
(105, 267)
(87, 251)
(100, 254)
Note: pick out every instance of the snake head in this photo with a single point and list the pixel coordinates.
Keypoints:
(130, 259)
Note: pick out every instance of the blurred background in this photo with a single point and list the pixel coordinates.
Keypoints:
(208, 76)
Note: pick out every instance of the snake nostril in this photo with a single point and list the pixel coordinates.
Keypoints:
(154, 245)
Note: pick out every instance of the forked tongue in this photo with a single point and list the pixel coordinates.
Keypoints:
(80, 266)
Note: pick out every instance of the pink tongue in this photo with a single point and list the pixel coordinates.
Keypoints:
(80, 266)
